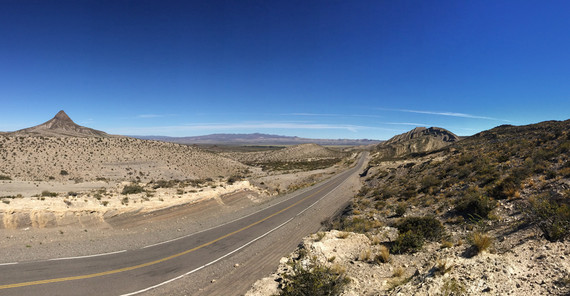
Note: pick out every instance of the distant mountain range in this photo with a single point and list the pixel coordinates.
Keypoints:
(256, 139)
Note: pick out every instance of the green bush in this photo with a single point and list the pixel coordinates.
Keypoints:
(429, 182)
(313, 279)
(401, 209)
(132, 189)
(551, 216)
(475, 207)
(357, 224)
(428, 228)
(505, 188)
(46, 193)
(407, 242)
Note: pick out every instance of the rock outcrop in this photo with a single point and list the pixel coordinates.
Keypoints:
(418, 140)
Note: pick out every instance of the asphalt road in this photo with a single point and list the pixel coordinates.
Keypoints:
(153, 267)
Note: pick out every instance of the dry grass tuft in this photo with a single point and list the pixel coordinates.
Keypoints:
(481, 241)
(383, 255)
(365, 255)
(399, 272)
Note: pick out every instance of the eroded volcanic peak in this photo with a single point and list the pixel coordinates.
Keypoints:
(61, 125)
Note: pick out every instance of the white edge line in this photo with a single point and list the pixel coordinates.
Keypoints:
(230, 253)
(210, 263)
(11, 263)
(87, 256)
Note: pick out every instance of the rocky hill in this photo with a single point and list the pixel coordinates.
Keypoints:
(60, 125)
(418, 140)
(488, 215)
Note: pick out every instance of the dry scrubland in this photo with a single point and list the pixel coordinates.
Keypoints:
(488, 215)
(304, 156)
(55, 181)
(117, 159)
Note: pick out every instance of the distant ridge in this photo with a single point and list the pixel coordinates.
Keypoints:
(60, 125)
(418, 140)
(256, 139)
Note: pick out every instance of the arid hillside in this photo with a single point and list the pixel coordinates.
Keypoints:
(299, 156)
(118, 159)
(488, 215)
(61, 150)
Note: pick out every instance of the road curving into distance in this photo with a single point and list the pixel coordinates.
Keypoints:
(140, 271)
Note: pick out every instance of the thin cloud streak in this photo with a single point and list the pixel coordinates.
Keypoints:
(331, 115)
(241, 126)
(453, 114)
(407, 123)
(154, 115)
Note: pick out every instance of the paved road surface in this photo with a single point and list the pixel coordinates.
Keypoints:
(150, 270)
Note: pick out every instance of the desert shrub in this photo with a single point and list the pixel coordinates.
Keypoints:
(357, 224)
(407, 242)
(313, 279)
(164, 184)
(132, 189)
(551, 216)
(428, 182)
(428, 228)
(442, 267)
(3, 177)
(388, 192)
(46, 193)
(400, 209)
(320, 236)
(453, 287)
(505, 188)
(379, 205)
(234, 178)
(63, 173)
(475, 207)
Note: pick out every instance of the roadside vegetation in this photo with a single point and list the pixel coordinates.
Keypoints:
(472, 195)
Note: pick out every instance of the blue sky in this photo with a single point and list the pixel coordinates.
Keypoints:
(318, 69)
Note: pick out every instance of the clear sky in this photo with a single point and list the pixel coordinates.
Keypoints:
(319, 69)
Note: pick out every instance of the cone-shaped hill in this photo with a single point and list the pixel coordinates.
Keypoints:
(60, 125)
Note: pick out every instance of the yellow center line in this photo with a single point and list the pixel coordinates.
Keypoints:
(88, 276)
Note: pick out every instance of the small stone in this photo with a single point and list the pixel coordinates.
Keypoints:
(236, 265)
(213, 281)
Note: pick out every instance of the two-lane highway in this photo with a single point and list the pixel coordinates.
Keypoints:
(134, 271)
